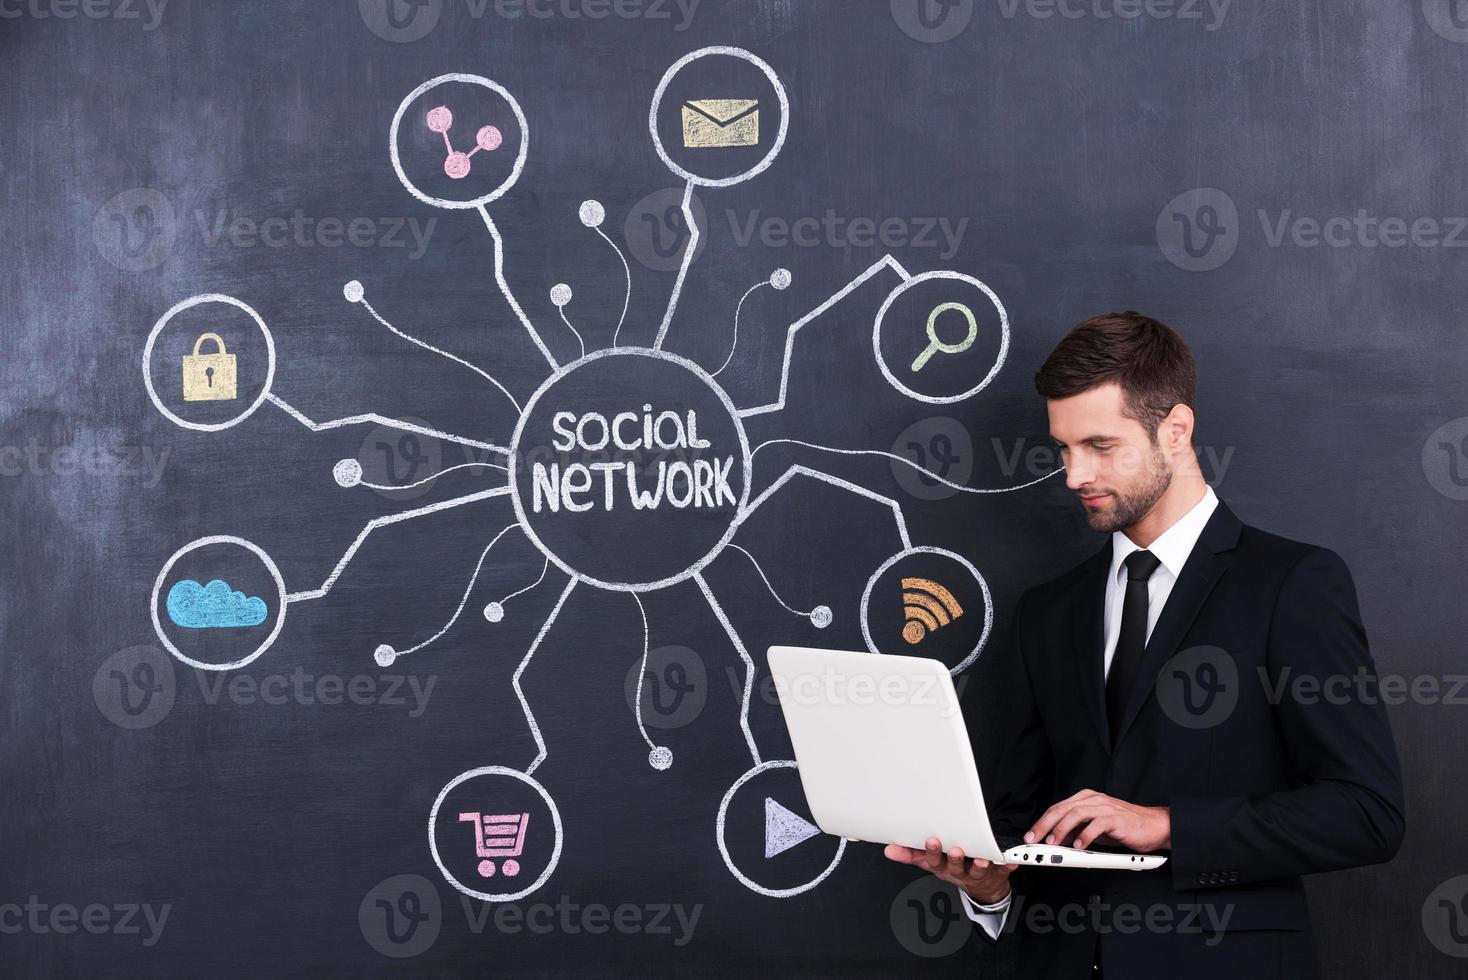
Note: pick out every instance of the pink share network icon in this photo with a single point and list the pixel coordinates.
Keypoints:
(456, 164)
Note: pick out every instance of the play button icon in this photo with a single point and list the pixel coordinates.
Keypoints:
(783, 829)
(782, 869)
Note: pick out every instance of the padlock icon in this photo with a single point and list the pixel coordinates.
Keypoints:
(209, 377)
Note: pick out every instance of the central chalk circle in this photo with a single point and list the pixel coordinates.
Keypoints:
(629, 469)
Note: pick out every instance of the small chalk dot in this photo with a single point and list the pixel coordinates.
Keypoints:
(660, 758)
(353, 291)
(489, 138)
(457, 165)
(592, 214)
(560, 294)
(347, 472)
(440, 119)
(780, 278)
(494, 612)
(384, 655)
(820, 617)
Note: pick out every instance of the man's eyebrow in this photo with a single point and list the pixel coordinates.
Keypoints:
(1089, 440)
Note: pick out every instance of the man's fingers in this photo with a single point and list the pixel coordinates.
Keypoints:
(1097, 827)
(1050, 817)
(902, 855)
(1078, 814)
(933, 855)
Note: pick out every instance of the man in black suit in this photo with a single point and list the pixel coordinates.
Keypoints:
(1192, 688)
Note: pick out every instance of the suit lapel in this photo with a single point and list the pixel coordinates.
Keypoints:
(1090, 639)
(1207, 563)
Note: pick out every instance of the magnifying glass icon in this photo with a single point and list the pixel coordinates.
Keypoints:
(935, 345)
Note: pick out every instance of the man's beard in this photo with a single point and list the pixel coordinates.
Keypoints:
(1133, 505)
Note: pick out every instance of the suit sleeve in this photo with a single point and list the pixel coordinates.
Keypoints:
(1348, 808)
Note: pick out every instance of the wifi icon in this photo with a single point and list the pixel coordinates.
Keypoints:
(926, 606)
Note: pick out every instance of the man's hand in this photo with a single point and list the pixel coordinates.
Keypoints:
(983, 881)
(1092, 816)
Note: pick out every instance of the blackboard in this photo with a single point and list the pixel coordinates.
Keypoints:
(1278, 181)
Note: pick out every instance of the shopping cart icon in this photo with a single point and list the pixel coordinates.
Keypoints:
(498, 835)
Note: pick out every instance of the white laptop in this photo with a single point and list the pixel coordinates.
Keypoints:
(884, 756)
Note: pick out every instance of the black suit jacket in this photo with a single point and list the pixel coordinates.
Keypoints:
(1266, 781)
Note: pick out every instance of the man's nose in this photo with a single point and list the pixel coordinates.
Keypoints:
(1077, 474)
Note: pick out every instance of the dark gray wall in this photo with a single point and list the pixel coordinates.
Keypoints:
(1058, 144)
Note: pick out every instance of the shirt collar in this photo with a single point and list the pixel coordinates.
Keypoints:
(1174, 545)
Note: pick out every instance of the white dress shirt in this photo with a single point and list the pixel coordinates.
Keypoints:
(1172, 549)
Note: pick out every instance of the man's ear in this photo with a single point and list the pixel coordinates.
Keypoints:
(1175, 432)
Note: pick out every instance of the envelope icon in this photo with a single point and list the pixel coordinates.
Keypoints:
(721, 122)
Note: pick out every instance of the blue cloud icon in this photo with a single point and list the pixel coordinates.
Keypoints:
(213, 606)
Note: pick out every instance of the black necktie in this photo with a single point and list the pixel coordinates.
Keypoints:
(1132, 640)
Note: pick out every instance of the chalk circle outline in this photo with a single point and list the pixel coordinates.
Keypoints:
(744, 879)
(280, 602)
(747, 468)
(866, 597)
(483, 199)
(928, 277)
(684, 62)
(528, 780)
(165, 319)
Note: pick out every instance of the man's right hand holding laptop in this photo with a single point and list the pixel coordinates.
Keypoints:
(983, 881)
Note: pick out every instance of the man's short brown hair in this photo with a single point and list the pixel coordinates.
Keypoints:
(1146, 357)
